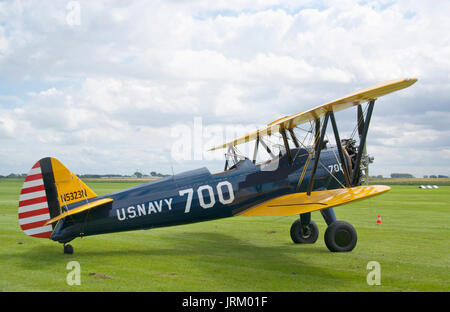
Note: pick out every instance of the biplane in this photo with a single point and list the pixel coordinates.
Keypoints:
(303, 174)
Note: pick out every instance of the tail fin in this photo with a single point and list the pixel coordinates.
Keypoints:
(48, 187)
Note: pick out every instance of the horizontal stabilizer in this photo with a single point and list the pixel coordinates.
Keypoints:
(82, 208)
(299, 203)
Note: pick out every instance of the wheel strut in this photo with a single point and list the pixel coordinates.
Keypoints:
(68, 249)
(304, 231)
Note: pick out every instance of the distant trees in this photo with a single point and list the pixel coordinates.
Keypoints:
(137, 174)
(439, 176)
(401, 175)
(407, 175)
(98, 176)
(15, 175)
(157, 174)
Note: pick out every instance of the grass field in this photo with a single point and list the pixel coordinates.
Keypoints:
(241, 254)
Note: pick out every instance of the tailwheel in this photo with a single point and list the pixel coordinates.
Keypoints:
(304, 234)
(340, 236)
(68, 249)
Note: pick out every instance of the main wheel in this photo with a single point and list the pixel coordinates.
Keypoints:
(68, 249)
(340, 236)
(304, 234)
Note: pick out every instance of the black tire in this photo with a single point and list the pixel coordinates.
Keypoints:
(340, 236)
(301, 234)
(68, 249)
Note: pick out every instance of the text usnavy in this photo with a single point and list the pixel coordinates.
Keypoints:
(207, 197)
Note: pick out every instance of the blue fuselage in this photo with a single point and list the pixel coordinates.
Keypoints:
(198, 195)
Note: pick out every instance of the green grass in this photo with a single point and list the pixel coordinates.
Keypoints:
(241, 254)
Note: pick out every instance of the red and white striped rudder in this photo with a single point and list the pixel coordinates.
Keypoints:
(33, 205)
(48, 188)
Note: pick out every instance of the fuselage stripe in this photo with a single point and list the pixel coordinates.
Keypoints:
(32, 189)
(33, 195)
(41, 217)
(43, 234)
(33, 183)
(32, 201)
(33, 177)
(35, 171)
(38, 230)
(32, 207)
(34, 225)
(33, 213)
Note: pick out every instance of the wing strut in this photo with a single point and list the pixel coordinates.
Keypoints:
(317, 132)
(318, 148)
(232, 152)
(286, 145)
(339, 146)
(255, 153)
(360, 120)
(226, 165)
(266, 147)
(362, 141)
(294, 138)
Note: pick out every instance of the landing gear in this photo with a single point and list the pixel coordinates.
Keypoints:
(340, 236)
(304, 234)
(68, 249)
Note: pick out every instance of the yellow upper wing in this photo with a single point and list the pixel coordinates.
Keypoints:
(319, 111)
(298, 203)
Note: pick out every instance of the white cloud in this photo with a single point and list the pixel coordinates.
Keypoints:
(109, 90)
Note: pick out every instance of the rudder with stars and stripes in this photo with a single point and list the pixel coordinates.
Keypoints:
(34, 209)
(48, 187)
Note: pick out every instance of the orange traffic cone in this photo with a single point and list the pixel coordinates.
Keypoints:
(379, 219)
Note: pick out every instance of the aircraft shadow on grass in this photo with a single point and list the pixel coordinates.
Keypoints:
(191, 245)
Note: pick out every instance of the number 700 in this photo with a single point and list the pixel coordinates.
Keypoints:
(212, 200)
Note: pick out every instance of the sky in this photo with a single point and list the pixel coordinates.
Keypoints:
(115, 86)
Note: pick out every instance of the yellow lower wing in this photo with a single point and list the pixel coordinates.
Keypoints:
(298, 203)
(82, 208)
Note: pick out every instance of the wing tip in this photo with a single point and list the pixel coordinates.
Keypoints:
(412, 80)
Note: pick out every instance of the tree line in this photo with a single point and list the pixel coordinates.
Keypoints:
(155, 174)
(408, 175)
(137, 174)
